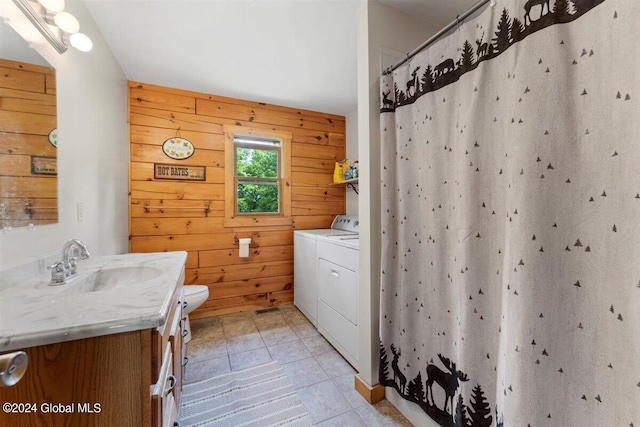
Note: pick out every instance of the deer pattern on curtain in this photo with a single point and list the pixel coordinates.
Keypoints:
(510, 282)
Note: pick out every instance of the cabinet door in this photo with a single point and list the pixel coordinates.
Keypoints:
(176, 340)
(162, 393)
(176, 349)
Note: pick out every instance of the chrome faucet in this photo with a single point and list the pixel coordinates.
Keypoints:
(65, 270)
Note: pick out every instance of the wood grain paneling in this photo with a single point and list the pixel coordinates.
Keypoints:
(144, 172)
(166, 228)
(14, 78)
(15, 165)
(232, 273)
(303, 164)
(69, 372)
(199, 95)
(312, 151)
(30, 211)
(162, 208)
(250, 286)
(317, 194)
(323, 208)
(27, 115)
(30, 123)
(50, 83)
(162, 100)
(172, 120)
(261, 115)
(178, 220)
(226, 257)
(31, 187)
(30, 145)
(311, 179)
(315, 222)
(217, 238)
(28, 102)
(152, 154)
(162, 189)
(157, 136)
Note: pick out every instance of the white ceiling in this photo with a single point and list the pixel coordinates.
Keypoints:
(297, 53)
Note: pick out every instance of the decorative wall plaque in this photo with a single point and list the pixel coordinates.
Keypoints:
(181, 173)
(44, 165)
(178, 148)
(53, 137)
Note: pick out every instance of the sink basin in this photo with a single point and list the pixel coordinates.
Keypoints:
(111, 294)
(111, 278)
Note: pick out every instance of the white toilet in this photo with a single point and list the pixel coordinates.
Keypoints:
(194, 295)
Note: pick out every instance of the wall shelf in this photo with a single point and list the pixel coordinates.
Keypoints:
(348, 183)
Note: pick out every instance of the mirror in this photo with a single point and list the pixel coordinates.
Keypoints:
(28, 134)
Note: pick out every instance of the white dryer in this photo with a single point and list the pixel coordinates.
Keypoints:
(338, 299)
(305, 263)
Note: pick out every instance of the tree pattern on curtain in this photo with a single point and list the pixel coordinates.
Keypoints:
(511, 219)
(508, 32)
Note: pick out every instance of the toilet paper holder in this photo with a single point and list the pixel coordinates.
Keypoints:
(251, 235)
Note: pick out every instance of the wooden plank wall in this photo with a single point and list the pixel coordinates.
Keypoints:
(27, 115)
(264, 279)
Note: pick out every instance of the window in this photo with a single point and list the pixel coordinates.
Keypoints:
(257, 180)
(257, 177)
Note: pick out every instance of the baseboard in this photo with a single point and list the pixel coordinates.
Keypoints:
(371, 394)
(203, 311)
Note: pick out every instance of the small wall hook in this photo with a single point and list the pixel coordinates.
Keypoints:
(493, 3)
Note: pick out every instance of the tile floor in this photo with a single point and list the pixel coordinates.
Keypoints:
(321, 377)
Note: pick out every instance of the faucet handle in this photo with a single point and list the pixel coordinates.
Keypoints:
(58, 271)
(56, 267)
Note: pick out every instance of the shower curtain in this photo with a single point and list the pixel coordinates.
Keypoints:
(510, 282)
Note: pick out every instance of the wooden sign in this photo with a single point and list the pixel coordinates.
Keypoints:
(182, 173)
(44, 165)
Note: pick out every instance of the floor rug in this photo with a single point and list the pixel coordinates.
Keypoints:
(259, 396)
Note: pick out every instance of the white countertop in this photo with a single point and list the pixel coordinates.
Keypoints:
(32, 313)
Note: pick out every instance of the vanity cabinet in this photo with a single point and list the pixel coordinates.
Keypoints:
(168, 364)
(125, 379)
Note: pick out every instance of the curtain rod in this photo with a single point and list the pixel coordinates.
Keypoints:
(459, 19)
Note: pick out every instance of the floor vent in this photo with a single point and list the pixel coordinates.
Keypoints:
(267, 310)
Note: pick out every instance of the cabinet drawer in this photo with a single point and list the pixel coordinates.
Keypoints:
(338, 288)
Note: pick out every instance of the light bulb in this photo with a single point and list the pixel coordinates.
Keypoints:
(67, 22)
(52, 5)
(81, 42)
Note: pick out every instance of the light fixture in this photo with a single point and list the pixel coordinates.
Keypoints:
(58, 27)
(81, 42)
(54, 6)
(66, 22)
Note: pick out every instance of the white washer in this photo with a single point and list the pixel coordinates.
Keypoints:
(338, 269)
(305, 265)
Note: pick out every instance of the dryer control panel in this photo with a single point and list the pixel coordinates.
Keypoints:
(346, 222)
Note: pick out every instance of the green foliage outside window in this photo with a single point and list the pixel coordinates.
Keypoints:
(257, 195)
